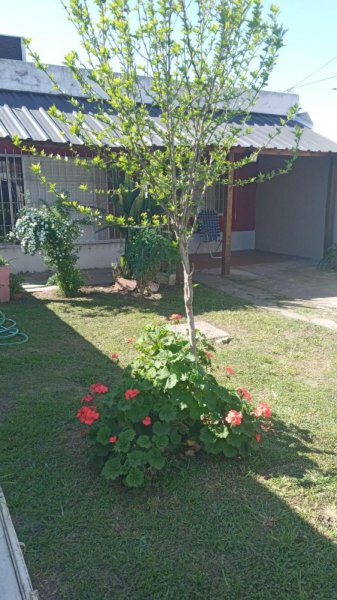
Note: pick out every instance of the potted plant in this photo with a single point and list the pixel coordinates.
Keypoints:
(148, 248)
(4, 280)
(168, 271)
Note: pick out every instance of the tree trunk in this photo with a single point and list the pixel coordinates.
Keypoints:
(188, 292)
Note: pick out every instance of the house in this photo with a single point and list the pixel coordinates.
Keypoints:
(294, 214)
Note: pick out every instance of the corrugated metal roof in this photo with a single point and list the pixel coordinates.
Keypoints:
(26, 115)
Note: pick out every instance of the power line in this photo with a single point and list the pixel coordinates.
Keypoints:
(298, 84)
(318, 81)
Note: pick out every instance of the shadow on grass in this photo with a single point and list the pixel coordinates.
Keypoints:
(207, 528)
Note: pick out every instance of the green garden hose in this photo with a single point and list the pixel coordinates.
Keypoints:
(9, 333)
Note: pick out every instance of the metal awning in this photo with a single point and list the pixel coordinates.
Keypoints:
(26, 114)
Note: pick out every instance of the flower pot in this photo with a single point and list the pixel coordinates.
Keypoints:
(125, 285)
(4, 283)
(166, 278)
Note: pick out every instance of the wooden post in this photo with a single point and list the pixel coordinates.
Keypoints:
(227, 224)
(331, 199)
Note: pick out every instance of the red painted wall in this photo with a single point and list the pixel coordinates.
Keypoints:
(244, 201)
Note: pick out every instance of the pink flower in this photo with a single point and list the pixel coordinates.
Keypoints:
(131, 393)
(234, 417)
(244, 394)
(263, 410)
(87, 398)
(175, 317)
(229, 371)
(115, 356)
(98, 388)
(113, 439)
(130, 340)
(87, 415)
(257, 437)
(209, 355)
(147, 421)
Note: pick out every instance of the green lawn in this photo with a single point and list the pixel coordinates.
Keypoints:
(208, 527)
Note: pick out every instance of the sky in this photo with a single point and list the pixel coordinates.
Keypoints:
(310, 42)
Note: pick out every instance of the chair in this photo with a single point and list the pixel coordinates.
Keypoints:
(209, 229)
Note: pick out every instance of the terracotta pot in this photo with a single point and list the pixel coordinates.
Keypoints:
(125, 285)
(4, 283)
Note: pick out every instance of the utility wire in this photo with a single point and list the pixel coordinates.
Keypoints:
(298, 84)
(317, 81)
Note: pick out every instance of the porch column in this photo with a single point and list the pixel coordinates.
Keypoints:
(227, 224)
(331, 201)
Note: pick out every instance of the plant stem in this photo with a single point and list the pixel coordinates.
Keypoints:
(188, 292)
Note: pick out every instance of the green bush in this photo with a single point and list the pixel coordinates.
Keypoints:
(51, 231)
(15, 284)
(146, 251)
(167, 400)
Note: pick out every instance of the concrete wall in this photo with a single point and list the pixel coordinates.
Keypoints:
(98, 255)
(290, 212)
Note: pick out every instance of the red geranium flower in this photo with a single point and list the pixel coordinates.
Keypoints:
(263, 410)
(115, 356)
(209, 354)
(234, 417)
(87, 415)
(113, 439)
(147, 421)
(87, 398)
(175, 317)
(244, 394)
(257, 437)
(98, 388)
(229, 371)
(131, 393)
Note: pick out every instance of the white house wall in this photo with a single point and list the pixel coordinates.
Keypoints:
(91, 256)
(290, 213)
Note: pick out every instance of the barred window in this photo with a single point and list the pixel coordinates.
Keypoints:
(11, 192)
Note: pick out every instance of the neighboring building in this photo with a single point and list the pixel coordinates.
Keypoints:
(293, 214)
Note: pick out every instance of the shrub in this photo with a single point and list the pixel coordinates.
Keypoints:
(167, 400)
(146, 251)
(15, 284)
(51, 231)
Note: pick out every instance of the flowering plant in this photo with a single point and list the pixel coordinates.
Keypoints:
(167, 399)
(51, 231)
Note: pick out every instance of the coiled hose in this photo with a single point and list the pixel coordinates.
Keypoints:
(10, 335)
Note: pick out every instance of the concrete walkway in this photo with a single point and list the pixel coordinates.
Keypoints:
(294, 289)
(15, 583)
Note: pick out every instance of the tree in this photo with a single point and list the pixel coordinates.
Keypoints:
(173, 83)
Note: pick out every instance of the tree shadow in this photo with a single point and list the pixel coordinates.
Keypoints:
(206, 528)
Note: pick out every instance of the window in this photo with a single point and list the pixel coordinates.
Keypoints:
(11, 192)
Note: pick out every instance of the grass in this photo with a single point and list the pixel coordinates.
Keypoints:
(208, 527)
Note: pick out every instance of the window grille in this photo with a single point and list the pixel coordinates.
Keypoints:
(11, 192)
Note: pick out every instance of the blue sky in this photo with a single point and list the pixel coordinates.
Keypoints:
(311, 41)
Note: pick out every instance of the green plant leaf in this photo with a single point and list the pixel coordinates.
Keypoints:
(103, 434)
(161, 441)
(168, 412)
(144, 441)
(112, 468)
(124, 440)
(160, 428)
(175, 437)
(206, 436)
(137, 458)
(135, 477)
(230, 451)
(156, 459)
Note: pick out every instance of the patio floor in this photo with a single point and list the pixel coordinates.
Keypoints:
(238, 259)
(292, 287)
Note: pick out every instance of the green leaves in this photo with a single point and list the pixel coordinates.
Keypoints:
(193, 409)
(112, 468)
